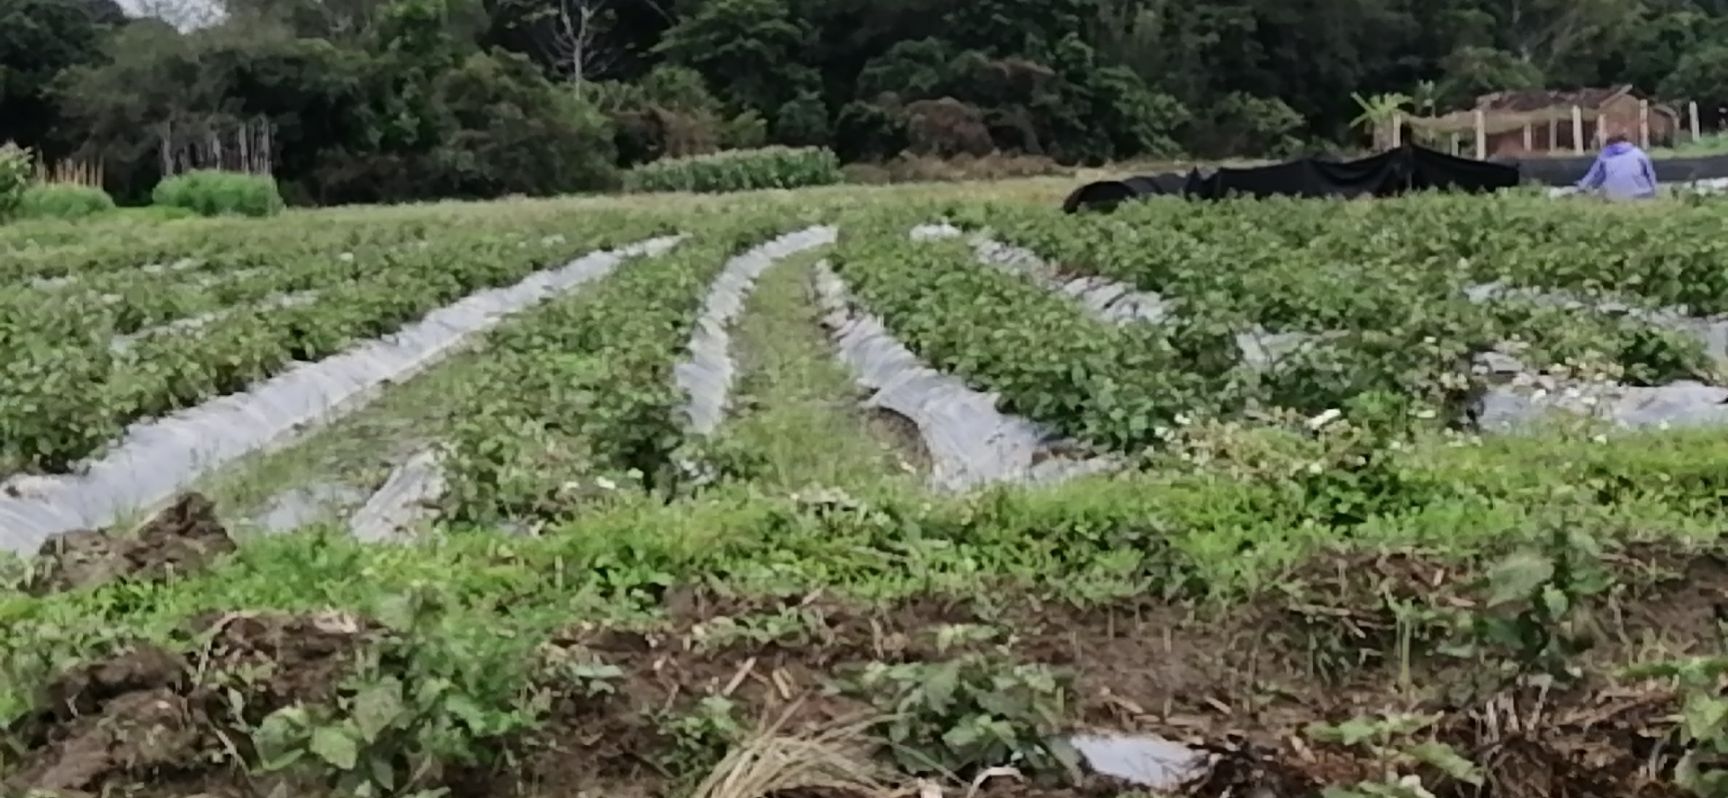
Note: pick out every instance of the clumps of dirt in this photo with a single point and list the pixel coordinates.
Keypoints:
(147, 717)
(127, 718)
(285, 659)
(1589, 742)
(181, 539)
(1243, 686)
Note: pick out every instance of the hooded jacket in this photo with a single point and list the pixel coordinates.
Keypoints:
(1622, 171)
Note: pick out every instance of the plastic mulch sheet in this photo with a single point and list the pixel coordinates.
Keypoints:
(705, 378)
(970, 442)
(405, 502)
(157, 458)
(1522, 397)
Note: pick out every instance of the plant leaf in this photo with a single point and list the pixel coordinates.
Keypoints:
(1518, 577)
(377, 707)
(335, 745)
(1447, 760)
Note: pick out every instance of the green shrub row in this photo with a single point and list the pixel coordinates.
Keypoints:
(206, 193)
(739, 170)
(63, 201)
(210, 193)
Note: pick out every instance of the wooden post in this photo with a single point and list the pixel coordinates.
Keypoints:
(1692, 109)
(1529, 138)
(1481, 135)
(1454, 142)
(1397, 129)
(1577, 130)
(1644, 124)
(1553, 135)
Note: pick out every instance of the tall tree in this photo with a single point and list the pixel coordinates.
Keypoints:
(39, 39)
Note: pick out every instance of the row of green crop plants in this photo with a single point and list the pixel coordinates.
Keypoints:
(1304, 265)
(65, 390)
(112, 260)
(1405, 358)
(1399, 269)
(576, 400)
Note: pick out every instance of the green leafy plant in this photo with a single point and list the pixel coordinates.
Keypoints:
(788, 626)
(970, 713)
(700, 737)
(360, 743)
(1703, 729)
(580, 671)
(1536, 617)
(1391, 740)
(432, 693)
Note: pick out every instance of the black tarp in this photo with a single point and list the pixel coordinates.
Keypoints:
(1567, 171)
(1388, 174)
(1105, 195)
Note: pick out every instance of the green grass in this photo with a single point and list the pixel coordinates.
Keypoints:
(796, 406)
(1708, 144)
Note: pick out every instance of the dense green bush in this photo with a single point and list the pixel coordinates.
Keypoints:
(63, 201)
(211, 193)
(14, 177)
(739, 170)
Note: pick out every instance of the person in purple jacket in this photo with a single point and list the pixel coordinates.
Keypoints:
(1621, 172)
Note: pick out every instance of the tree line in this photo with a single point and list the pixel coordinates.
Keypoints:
(384, 100)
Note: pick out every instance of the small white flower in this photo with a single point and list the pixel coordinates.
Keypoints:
(346, 257)
(1315, 468)
(1599, 439)
(1426, 413)
(605, 484)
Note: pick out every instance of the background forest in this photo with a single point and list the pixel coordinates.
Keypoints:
(386, 100)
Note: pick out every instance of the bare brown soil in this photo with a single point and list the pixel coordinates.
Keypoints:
(182, 538)
(150, 722)
(1241, 685)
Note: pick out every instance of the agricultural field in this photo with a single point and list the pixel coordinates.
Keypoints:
(868, 492)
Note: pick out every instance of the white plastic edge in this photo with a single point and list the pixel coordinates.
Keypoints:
(705, 377)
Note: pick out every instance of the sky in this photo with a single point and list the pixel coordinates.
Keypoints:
(182, 14)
